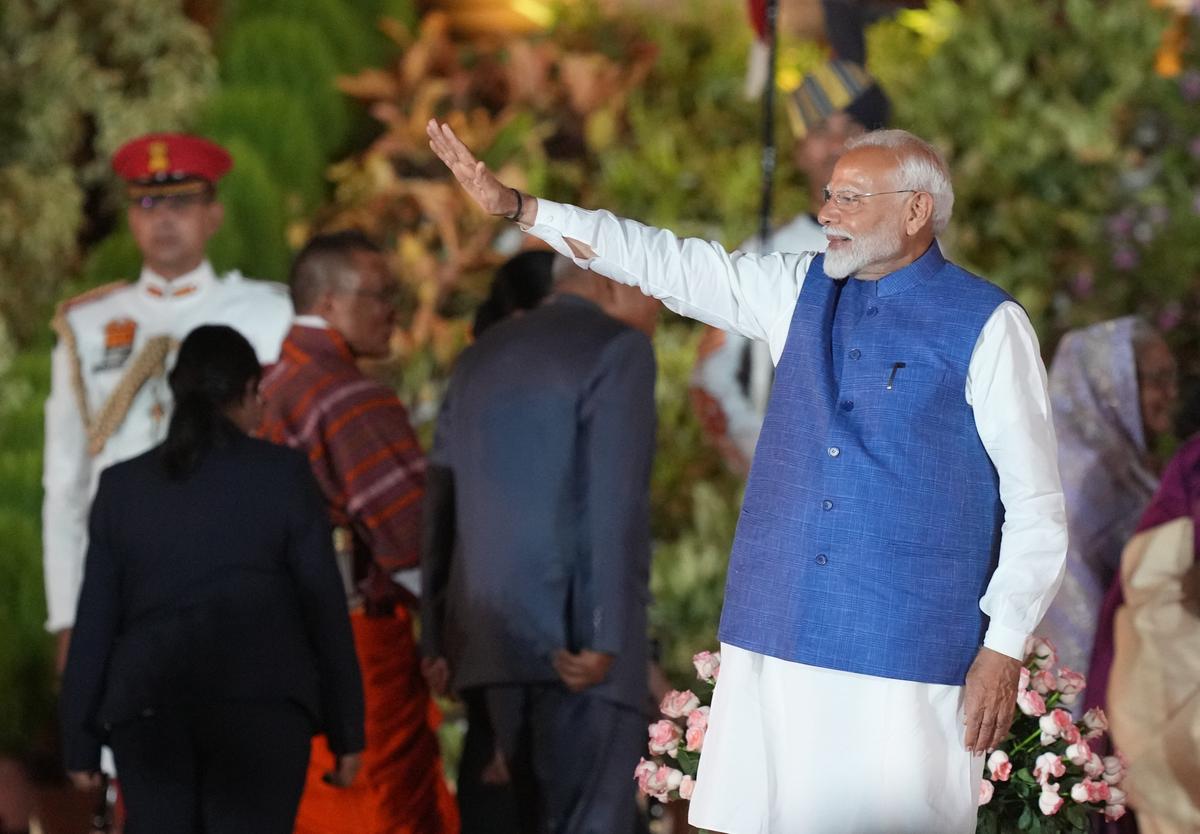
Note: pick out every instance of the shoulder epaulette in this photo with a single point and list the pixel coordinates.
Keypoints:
(87, 297)
(66, 337)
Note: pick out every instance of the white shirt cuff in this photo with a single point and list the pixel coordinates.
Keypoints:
(1006, 641)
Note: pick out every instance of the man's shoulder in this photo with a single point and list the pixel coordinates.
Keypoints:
(975, 285)
(97, 303)
(273, 457)
(269, 298)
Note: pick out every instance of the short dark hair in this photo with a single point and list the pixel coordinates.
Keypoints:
(318, 266)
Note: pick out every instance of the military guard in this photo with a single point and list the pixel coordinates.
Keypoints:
(109, 399)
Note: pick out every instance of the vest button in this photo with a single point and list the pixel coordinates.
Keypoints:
(847, 405)
(872, 311)
(826, 505)
(856, 354)
(834, 451)
(822, 559)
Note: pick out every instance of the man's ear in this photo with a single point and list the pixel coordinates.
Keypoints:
(920, 212)
(214, 216)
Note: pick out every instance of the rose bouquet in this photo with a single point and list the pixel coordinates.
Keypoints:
(1048, 775)
(677, 739)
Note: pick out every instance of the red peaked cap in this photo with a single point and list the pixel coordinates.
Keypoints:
(170, 158)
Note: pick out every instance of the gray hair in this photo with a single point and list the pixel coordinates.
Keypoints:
(921, 168)
(563, 267)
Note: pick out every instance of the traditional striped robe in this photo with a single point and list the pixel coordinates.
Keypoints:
(371, 469)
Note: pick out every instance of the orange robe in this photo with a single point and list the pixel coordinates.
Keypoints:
(371, 470)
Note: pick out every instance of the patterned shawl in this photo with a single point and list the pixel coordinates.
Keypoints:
(1106, 480)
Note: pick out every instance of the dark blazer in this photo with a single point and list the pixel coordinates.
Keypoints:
(219, 587)
(538, 509)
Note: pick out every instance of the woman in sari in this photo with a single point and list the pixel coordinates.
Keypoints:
(1154, 684)
(1113, 391)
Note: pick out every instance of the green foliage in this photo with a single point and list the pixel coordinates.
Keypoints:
(295, 57)
(1074, 178)
(252, 237)
(689, 157)
(695, 505)
(280, 129)
(353, 40)
(26, 673)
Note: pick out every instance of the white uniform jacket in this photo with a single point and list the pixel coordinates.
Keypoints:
(109, 399)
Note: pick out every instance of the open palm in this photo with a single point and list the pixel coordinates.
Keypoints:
(491, 195)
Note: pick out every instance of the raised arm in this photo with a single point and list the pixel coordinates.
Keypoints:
(748, 294)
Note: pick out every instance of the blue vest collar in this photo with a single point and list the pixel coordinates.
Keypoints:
(902, 279)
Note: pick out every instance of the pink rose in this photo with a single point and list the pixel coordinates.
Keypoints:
(708, 665)
(656, 785)
(1043, 682)
(1031, 703)
(686, 785)
(694, 737)
(999, 765)
(643, 773)
(1071, 734)
(664, 737)
(1096, 722)
(1070, 684)
(986, 789)
(1053, 724)
(698, 718)
(1049, 802)
(1023, 681)
(1112, 813)
(676, 704)
(1089, 791)
(1094, 767)
(1048, 766)
(1078, 753)
(1116, 796)
(1042, 652)
(1114, 768)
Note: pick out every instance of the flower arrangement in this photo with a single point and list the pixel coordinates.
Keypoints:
(1046, 777)
(677, 739)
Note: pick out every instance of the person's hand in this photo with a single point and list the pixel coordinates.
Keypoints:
(436, 671)
(86, 780)
(583, 670)
(990, 699)
(477, 180)
(62, 645)
(345, 770)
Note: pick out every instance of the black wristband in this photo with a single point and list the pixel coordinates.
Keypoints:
(516, 215)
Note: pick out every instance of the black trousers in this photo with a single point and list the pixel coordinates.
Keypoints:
(571, 758)
(227, 768)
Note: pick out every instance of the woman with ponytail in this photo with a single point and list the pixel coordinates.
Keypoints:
(212, 638)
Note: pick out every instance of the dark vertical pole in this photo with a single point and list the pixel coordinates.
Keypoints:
(768, 106)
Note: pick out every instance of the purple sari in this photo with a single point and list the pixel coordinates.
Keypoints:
(1106, 480)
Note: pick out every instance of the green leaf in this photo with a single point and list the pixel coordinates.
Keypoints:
(689, 761)
(1026, 819)
(1025, 776)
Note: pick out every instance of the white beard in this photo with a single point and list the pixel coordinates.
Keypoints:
(863, 250)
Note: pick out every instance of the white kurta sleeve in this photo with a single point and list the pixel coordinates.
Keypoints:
(752, 295)
(66, 481)
(1006, 387)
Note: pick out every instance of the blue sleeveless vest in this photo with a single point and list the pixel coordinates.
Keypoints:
(871, 522)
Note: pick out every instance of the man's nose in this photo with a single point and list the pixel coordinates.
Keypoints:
(828, 215)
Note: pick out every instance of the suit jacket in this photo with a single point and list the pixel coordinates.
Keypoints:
(222, 586)
(538, 524)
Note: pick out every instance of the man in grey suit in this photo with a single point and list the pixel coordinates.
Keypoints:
(537, 555)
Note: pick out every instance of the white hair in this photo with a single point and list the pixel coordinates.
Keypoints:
(921, 168)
